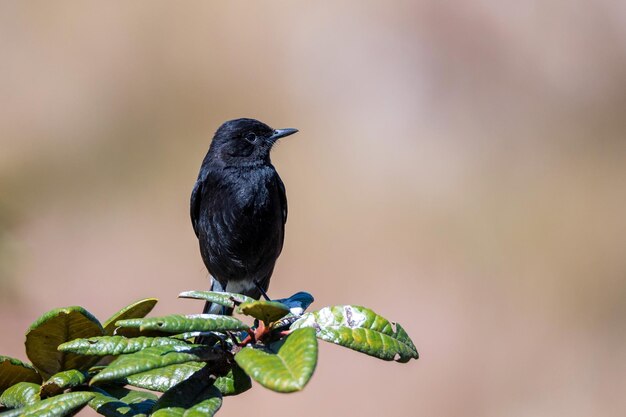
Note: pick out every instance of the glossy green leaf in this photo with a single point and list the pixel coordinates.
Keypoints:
(162, 379)
(266, 311)
(20, 395)
(13, 371)
(116, 345)
(190, 336)
(203, 408)
(226, 299)
(361, 329)
(58, 406)
(289, 369)
(152, 358)
(137, 309)
(56, 327)
(176, 323)
(122, 402)
(57, 383)
(233, 383)
(194, 397)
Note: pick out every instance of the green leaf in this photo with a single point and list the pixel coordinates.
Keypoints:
(194, 397)
(152, 358)
(162, 379)
(361, 329)
(190, 336)
(116, 345)
(286, 371)
(233, 383)
(403, 337)
(13, 371)
(226, 299)
(208, 403)
(56, 327)
(119, 402)
(57, 383)
(20, 395)
(266, 311)
(176, 323)
(138, 309)
(58, 406)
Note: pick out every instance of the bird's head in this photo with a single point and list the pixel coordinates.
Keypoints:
(245, 141)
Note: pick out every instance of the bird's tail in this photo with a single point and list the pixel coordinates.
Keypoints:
(212, 308)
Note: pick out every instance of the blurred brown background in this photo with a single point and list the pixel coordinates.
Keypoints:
(460, 168)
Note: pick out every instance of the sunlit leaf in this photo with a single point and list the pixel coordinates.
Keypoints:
(226, 299)
(266, 311)
(287, 370)
(57, 383)
(176, 323)
(361, 329)
(162, 379)
(116, 345)
(56, 327)
(152, 358)
(58, 406)
(20, 395)
(137, 309)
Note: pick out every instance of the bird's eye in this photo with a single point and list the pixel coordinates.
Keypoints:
(250, 137)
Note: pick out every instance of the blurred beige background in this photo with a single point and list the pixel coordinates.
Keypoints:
(460, 168)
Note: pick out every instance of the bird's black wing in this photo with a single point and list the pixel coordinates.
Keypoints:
(264, 281)
(283, 197)
(196, 198)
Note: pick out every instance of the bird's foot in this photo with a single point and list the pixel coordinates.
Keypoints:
(258, 333)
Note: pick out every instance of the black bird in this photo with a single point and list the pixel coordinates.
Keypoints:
(239, 209)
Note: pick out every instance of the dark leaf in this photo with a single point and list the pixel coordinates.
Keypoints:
(56, 327)
(13, 371)
(233, 383)
(193, 397)
(122, 402)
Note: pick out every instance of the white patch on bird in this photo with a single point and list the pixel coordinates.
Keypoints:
(296, 311)
(239, 287)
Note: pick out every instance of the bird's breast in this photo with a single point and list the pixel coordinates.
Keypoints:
(251, 190)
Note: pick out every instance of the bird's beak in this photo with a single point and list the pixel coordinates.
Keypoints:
(281, 133)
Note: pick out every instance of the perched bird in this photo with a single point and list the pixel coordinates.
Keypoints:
(239, 209)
